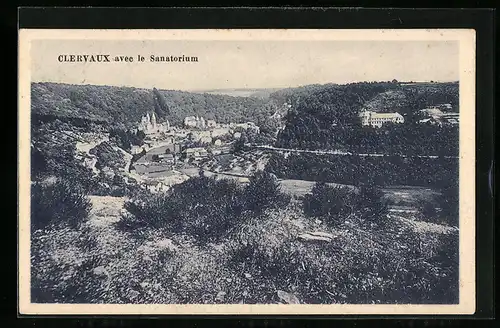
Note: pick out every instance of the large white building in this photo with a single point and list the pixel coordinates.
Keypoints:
(195, 122)
(378, 119)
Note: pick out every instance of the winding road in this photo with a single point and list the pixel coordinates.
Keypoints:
(338, 152)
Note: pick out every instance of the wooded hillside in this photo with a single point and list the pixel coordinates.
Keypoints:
(127, 105)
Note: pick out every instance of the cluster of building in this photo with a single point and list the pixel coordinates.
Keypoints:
(167, 148)
(198, 122)
(374, 119)
(436, 116)
(248, 126)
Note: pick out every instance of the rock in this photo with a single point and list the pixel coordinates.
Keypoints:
(167, 244)
(248, 275)
(322, 234)
(317, 236)
(229, 279)
(317, 221)
(308, 237)
(288, 298)
(100, 271)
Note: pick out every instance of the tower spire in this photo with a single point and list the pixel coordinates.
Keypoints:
(153, 120)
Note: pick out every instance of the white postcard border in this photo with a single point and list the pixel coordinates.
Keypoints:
(466, 39)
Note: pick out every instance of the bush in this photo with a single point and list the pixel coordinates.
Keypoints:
(336, 204)
(372, 205)
(53, 155)
(57, 202)
(202, 207)
(263, 192)
(428, 210)
(449, 202)
(330, 203)
(107, 156)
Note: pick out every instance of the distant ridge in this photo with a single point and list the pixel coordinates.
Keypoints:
(241, 92)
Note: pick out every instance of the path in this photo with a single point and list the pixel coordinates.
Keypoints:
(106, 211)
(338, 152)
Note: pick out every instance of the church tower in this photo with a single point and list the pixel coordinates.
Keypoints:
(153, 120)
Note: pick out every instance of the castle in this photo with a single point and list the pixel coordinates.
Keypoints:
(149, 125)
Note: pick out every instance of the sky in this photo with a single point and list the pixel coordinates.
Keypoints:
(246, 64)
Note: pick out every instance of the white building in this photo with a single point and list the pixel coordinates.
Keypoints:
(378, 119)
(248, 126)
(433, 112)
(219, 132)
(195, 122)
(190, 121)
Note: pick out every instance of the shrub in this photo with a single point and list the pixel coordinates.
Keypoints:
(202, 207)
(57, 202)
(107, 156)
(372, 205)
(449, 202)
(263, 192)
(55, 282)
(428, 210)
(55, 156)
(330, 203)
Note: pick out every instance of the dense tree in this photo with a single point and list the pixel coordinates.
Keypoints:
(355, 170)
(58, 202)
(326, 118)
(333, 204)
(127, 105)
(372, 205)
(160, 104)
(263, 192)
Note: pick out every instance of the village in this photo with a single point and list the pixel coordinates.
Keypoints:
(172, 154)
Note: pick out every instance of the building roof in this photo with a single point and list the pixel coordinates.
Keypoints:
(385, 115)
(451, 115)
(195, 149)
(432, 111)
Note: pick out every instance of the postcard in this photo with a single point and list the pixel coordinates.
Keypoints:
(246, 171)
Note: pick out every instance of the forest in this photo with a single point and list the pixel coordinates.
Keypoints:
(326, 117)
(127, 105)
(356, 170)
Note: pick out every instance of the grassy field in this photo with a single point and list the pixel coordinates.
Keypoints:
(396, 195)
(263, 260)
